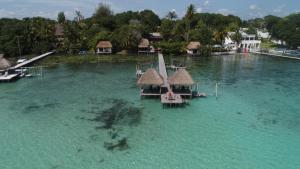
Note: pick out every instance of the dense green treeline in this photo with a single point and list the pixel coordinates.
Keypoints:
(125, 30)
(286, 28)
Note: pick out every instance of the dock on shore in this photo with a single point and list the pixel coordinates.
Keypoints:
(12, 74)
(9, 78)
(276, 55)
(32, 60)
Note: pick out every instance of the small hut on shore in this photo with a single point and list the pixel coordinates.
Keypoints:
(4, 63)
(104, 47)
(150, 83)
(193, 48)
(181, 82)
(144, 46)
(59, 30)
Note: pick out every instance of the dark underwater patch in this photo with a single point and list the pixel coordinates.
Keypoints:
(117, 114)
(120, 145)
(31, 108)
(37, 107)
(120, 113)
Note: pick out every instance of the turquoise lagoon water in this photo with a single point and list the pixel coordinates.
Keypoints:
(57, 122)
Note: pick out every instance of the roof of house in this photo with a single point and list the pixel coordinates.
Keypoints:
(59, 30)
(156, 35)
(4, 63)
(144, 43)
(104, 44)
(181, 77)
(193, 45)
(150, 77)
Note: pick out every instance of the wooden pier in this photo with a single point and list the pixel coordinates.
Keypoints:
(277, 55)
(9, 78)
(17, 71)
(169, 98)
(31, 60)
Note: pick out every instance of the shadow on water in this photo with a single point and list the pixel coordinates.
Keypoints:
(36, 107)
(120, 114)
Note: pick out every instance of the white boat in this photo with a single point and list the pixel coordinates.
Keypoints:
(21, 61)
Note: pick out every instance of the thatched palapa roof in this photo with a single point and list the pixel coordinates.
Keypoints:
(144, 43)
(4, 64)
(104, 44)
(59, 30)
(193, 45)
(150, 77)
(181, 77)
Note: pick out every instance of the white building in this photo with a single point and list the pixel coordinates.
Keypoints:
(229, 44)
(249, 42)
(278, 42)
(263, 34)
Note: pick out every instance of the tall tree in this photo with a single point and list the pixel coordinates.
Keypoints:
(172, 15)
(191, 10)
(104, 16)
(61, 18)
(150, 20)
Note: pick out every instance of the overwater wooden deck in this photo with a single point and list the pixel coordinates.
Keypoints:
(165, 99)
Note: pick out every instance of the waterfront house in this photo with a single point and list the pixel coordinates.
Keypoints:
(4, 63)
(181, 82)
(150, 83)
(144, 46)
(229, 44)
(193, 48)
(104, 47)
(249, 42)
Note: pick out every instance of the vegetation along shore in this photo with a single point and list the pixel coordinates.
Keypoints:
(124, 31)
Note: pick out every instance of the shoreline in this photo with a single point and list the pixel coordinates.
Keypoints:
(79, 59)
(276, 55)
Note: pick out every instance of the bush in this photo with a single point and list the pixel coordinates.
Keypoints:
(172, 48)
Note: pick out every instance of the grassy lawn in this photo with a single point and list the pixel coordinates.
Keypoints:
(266, 44)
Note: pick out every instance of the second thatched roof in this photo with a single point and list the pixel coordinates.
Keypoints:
(4, 64)
(104, 44)
(193, 45)
(144, 43)
(181, 77)
(150, 77)
(59, 30)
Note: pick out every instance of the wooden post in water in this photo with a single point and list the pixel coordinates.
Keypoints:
(217, 90)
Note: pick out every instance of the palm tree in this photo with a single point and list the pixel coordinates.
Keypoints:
(220, 36)
(236, 37)
(191, 10)
(172, 15)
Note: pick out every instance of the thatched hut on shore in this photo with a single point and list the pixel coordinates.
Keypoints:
(59, 30)
(181, 82)
(104, 47)
(4, 63)
(193, 48)
(144, 46)
(150, 83)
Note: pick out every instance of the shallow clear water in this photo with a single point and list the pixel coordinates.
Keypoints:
(55, 122)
